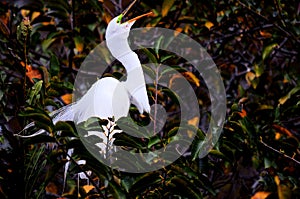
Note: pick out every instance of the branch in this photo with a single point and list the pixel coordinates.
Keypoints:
(281, 153)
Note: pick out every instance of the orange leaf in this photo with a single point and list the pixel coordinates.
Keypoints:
(261, 195)
(282, 130)
(51, 188)
(32, 73)
(250, 77)
(243, 113)
(265, 34)
(67, 98)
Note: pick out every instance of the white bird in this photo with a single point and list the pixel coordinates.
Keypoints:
(116, 96)
(108, 97)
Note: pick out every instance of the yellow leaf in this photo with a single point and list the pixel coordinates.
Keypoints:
(166, 6)
(88, 188)
(192, 78)
(35, 15)
(25, 12)
(283, 99)
(208, 25)
(261, 195)
(284, 191)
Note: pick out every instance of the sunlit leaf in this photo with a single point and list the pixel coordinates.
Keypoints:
(208, 25)
(79, 43)
(265, 34)
(261, 195)
(283, 99)
(67, 98)
(268, 49)
(35, 92)
(88, 188)
(282, 130)
(284, 191)
(259, 69)
(166, 6)
(192, 78)
(32, 73)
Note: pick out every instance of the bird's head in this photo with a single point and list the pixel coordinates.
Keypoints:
(118, 29)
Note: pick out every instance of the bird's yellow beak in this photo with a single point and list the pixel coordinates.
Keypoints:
(138, 17)
(135, 18)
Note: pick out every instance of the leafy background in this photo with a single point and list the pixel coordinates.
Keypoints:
(255, 45)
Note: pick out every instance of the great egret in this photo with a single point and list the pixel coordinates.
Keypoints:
(108, 97)
(116, 96)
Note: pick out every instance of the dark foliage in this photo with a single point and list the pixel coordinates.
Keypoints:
(255, 45)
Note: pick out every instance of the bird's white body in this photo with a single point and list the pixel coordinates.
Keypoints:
(106, 98)
(109, 97)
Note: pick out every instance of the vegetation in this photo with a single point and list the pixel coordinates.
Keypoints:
(255, 45)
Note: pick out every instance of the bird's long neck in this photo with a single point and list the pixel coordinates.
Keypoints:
(135, 77)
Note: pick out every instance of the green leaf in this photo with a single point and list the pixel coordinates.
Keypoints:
(181, 186)
(65, 127)
(34, 93)
(197, 144)
(268, 49)
(47, 43)
(259, 69)
(41, 117)
(283, 99)
(150, 55)
(158, 45)
(166, 6)
(54, 65)
(39, 139)
(144, 181)
(153, 141)
(167, 57)
(45, 126)
(149, 71)
(95, 121)
(117, 191)
(123, 139)
(173, 70)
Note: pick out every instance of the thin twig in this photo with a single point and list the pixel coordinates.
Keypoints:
(283, 154)
(266, 19)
